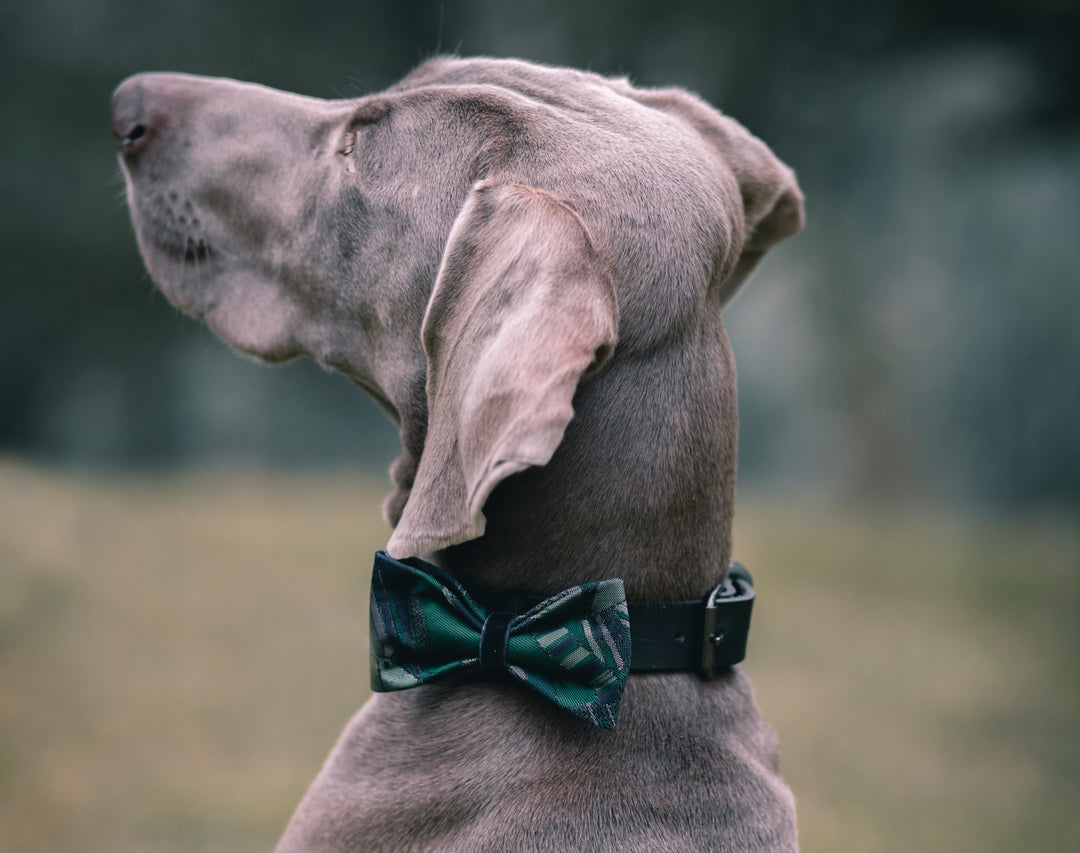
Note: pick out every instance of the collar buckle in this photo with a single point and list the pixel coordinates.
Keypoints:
(727, 622)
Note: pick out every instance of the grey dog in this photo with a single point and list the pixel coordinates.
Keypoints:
(526, 267)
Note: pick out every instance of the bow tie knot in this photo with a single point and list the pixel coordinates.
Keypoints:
(494, 638)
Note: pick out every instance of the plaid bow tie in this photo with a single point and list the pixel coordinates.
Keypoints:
(573, 648)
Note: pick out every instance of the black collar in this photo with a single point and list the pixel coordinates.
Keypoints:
(703, 636)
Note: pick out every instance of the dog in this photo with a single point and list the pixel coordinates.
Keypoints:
(526, 267)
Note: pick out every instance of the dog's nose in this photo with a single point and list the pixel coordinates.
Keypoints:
(133, 114)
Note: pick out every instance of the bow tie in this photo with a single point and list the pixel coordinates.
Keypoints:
(572, 648)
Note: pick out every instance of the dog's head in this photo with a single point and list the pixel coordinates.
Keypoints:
(467, 246)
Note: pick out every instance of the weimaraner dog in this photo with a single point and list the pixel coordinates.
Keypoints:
(526, 267)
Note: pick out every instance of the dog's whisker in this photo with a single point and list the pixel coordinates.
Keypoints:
(358, 84)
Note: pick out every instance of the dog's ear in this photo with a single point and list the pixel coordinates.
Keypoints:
(521, 310)
(772, 201)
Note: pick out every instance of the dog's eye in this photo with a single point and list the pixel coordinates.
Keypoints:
(348, 146)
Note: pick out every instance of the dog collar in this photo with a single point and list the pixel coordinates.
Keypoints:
(704, 635)
(575, 648)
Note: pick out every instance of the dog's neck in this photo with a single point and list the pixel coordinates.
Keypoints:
(644, 495)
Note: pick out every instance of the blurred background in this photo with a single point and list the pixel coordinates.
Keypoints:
(185, 535)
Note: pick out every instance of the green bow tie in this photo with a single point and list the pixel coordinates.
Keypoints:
(573, 648)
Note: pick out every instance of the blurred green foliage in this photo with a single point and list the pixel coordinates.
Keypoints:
(919, 340)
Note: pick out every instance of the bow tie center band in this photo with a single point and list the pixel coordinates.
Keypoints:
(575, 648)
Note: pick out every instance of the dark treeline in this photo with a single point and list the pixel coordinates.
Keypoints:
(920, 340)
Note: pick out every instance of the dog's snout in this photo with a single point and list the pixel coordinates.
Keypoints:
(140, 106)
(130, 116)
(130, 140)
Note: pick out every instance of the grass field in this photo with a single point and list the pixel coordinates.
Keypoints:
(178, 654)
